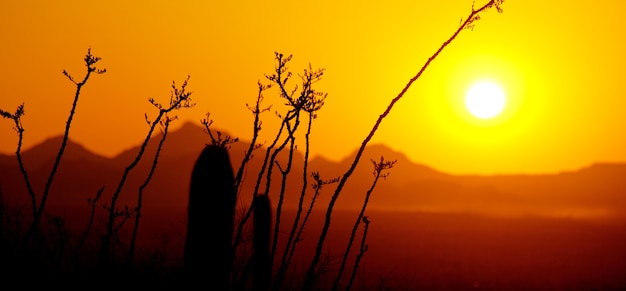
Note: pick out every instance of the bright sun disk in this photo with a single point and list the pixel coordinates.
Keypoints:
(485, 100)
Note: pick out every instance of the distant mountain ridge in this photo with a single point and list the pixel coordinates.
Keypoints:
(595, 191)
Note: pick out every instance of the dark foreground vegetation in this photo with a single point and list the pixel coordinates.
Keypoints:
(430, 251)
(229, 237)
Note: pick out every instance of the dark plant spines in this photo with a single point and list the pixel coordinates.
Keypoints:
(261, 246)
(208, 254)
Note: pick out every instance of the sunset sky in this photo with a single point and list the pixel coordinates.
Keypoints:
(560, 63)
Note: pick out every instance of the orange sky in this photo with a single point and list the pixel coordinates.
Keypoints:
(560, 63)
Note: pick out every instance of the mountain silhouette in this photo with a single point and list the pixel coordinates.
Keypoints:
(500, 228)
(597, 190)
(44, 154)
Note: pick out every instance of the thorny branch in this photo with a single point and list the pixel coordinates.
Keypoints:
(310, 276)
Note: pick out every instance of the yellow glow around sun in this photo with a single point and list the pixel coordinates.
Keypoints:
(485, 100)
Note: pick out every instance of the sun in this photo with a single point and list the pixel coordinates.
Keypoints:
(485, 100)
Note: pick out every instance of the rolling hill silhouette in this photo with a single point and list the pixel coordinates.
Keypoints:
(430, 230)
(597, 190)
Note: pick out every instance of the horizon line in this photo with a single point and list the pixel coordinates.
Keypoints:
(335, 160)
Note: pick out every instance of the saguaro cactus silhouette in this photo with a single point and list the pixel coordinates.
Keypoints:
(208, 254)
(261, 245)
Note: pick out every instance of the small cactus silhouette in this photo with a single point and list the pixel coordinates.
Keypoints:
(208, 254)
(261, 245)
